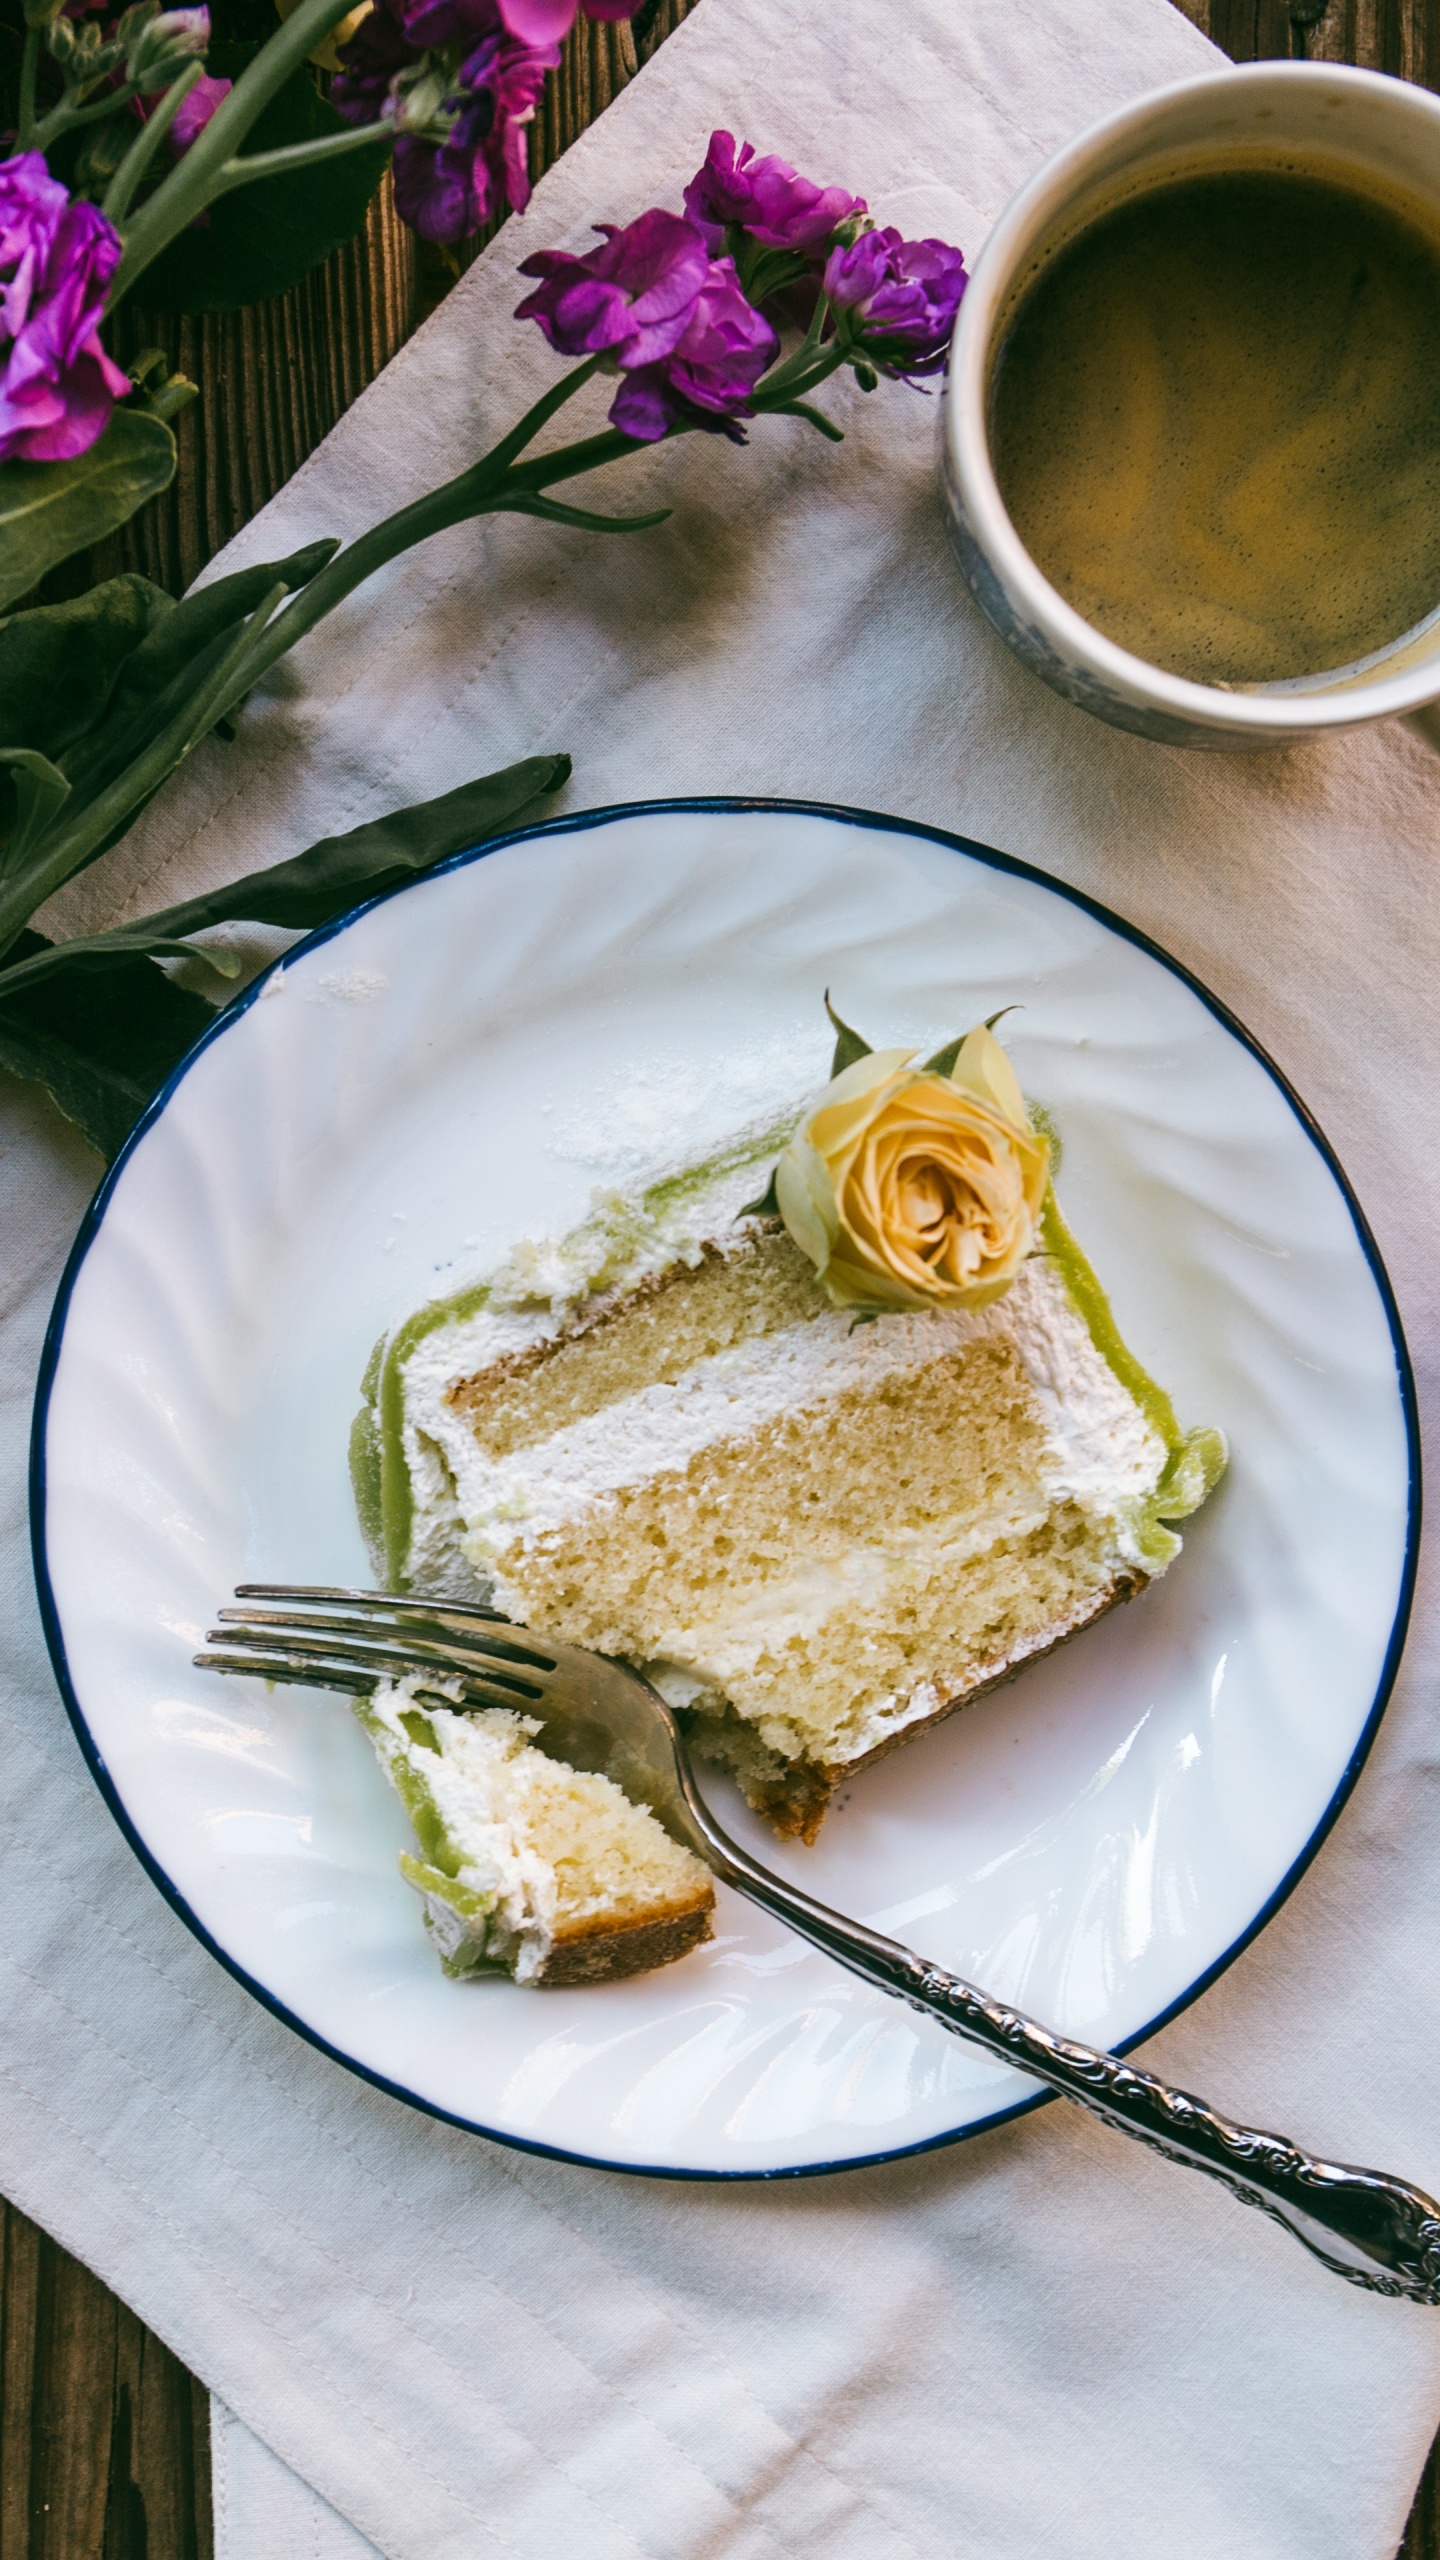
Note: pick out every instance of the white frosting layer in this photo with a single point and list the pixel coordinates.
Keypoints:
(1100, 1452)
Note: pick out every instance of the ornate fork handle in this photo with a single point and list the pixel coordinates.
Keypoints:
(1377, 2231)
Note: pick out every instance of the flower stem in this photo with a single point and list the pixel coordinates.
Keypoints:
(67, 119)
(29, 74)
(800, 374)
(190, 185)
(147, 142)
(482, 489)
(296, 155)
(503, 454)
(498, 483)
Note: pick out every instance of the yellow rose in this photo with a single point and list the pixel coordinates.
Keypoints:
(909, 1189)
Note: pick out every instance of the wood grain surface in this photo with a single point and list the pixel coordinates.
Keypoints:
(104, 2437)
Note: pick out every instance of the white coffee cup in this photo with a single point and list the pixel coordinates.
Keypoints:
(1359, 123)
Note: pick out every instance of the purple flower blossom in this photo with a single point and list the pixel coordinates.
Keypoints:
(766, 197)
(709, 374)
(904, 294)
(672, 321)
(57, 385)
(496, 53)
(195, 111)
(447, 188)
(632, 298)
(379, 49)
(446, 191)
(550, 21)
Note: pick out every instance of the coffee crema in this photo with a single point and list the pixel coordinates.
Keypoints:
(1215, 423)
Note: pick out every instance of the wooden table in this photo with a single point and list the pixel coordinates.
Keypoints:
(104, 2437)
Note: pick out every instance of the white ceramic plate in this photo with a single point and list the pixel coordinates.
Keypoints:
(460, 1064)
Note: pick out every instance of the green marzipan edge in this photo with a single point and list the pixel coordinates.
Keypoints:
(435, 1874)
(1082, 1281)
(1195, 1460)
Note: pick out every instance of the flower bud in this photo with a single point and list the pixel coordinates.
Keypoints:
(130, 26)
(165, 44)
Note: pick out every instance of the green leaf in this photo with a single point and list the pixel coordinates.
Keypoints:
(60, 663)
(261, 239)
(175, 639)
(340, 871)
(944, 1059)
(173, 658)
(101, 1061)
(335, 874)
(38, 793)
(50, 509)
(848, 1044)
(768, 1204)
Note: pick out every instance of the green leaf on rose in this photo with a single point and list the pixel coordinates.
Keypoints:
(768, 1204)
(50, 509)
(943, 1062)
(260, 240)
(848, 1044)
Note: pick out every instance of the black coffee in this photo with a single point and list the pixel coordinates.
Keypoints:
(1216, 425)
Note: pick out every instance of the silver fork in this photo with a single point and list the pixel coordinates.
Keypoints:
(1377, 2231)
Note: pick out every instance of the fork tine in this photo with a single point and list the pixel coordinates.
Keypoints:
(384, 1661)
(369, 1599)
(411, 1614)
(413, 1624)
(315, 1671)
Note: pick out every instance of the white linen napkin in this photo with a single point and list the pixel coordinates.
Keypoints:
(1044, 2341)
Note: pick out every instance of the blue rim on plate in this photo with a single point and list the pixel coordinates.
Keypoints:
(580, 822)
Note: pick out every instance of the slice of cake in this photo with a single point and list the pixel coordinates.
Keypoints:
(825, 1464)
(526, 1866)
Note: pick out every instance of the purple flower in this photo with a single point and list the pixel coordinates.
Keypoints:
(632, 299)
(672, 321)
(708, 376)
(57, 385)
(550, 21)
(766, 197)
(195, 111)
(446, 189)
(460, 23)
(378, 50)
(447, 186)
(904, 294)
